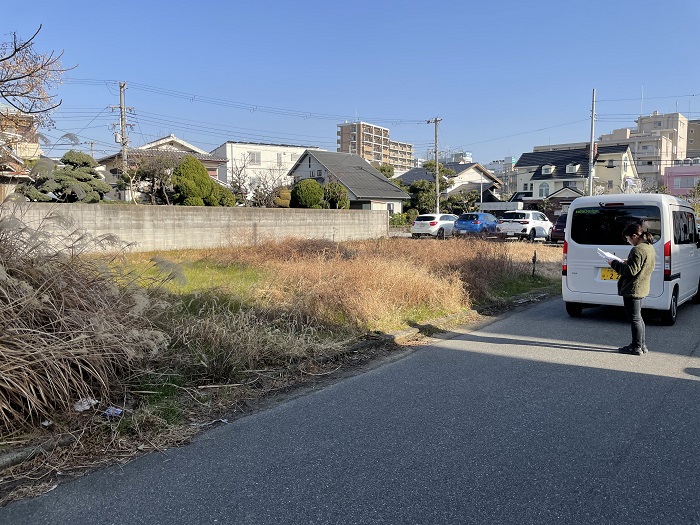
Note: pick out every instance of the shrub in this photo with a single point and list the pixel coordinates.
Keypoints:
(284, 199)
(307, 194)
(336, 196)
(192, 184)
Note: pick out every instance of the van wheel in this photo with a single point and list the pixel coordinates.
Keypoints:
(668, 317)
(531, 235)
(415, 235)
(574, 309)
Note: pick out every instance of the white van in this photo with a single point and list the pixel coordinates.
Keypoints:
(598, 221)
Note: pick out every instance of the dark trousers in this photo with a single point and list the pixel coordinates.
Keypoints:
(633, 309)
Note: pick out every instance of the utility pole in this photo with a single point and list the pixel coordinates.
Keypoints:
(92, 148)
(123, 136)
(591, 157)
(436, 121)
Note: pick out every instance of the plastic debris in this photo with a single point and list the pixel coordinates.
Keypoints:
(208, 423)
(46, 423)
(112, 412)
(84, 404)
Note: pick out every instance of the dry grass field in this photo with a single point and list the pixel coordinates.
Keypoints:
(173, 338)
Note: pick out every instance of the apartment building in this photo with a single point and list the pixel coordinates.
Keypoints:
(660, 141)
(373, 144)
(505, 170)
(693, 147)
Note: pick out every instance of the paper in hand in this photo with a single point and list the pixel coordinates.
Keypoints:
(608, 255)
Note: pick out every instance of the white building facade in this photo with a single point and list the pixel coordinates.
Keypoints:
(250, 165)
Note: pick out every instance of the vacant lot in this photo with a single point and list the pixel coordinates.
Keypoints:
(172, 340)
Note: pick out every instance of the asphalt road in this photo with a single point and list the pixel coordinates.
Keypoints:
(531, 419)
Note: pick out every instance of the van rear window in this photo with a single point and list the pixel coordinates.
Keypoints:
(604, 225)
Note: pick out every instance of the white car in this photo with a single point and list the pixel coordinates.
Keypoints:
(438, 225)
(524, 224)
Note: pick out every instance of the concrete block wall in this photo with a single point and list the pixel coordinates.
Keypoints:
(183, 227)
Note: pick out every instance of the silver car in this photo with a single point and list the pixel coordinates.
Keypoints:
(438, 225)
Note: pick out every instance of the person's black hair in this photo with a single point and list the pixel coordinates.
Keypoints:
(637, 229)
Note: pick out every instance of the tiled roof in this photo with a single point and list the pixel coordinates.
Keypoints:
(561, 158)
(158, 152)
(358, 176)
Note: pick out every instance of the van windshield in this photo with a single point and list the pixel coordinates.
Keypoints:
(604, 225)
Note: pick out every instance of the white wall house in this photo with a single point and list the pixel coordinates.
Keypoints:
(253, 164)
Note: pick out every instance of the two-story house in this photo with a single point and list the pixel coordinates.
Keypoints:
(561, 175)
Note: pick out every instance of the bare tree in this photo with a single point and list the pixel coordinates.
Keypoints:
(239, 179)
(268, 183)
(26, 78)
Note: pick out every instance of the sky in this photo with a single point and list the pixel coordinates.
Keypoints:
(504, 76)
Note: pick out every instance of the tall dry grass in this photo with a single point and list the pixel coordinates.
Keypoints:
(69, 330)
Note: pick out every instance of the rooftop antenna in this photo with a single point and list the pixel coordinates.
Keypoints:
(641, 104)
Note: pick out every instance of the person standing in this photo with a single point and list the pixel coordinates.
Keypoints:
(635, 281)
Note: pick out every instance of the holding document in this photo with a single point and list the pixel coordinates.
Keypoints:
(635, 280)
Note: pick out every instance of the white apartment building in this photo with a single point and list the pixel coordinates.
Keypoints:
(252, 164)
(659, 141)
(505, 170)
(373, 144)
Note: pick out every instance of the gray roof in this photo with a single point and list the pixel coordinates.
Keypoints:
(561, 158)
(357, 175)
(166, 152)
(416, 174)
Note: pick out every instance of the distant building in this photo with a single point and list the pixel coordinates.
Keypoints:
(679, 180)
(373, 144)
(693, 147)
(505, 170)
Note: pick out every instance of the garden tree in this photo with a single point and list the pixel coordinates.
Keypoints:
(445, 173)
(284, 198)
(152, 177)
(267, 185)
(194, 187)
(75, 181)
(387, 170)
(335, 196)
(462, 201)
(422, 194)
(693, 197)
(307, 193)
(27, 77)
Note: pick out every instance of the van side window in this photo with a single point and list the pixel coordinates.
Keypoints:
(683, 227)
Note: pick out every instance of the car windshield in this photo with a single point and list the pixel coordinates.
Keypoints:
(426, 218)
(603, 225)
(468, 217)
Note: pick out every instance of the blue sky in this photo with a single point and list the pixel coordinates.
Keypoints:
(503, 76)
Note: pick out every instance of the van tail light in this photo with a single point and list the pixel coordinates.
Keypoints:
(563, 258)
(667, 260)
(433, 223)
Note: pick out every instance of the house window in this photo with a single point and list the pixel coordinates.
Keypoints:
(531, 186)
(311, 174)
(611, 163)
(547, 170)
(310, 162)
(293, 157)
(624, 167)
(569, 184)
(318, 173)
(254, 157)
(691, 141)
(544, 189)
(692, 131)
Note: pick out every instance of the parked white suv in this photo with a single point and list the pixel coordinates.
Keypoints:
(438, 225)
(524, 224)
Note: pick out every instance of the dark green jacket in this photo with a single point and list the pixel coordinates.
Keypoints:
(635, 273)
